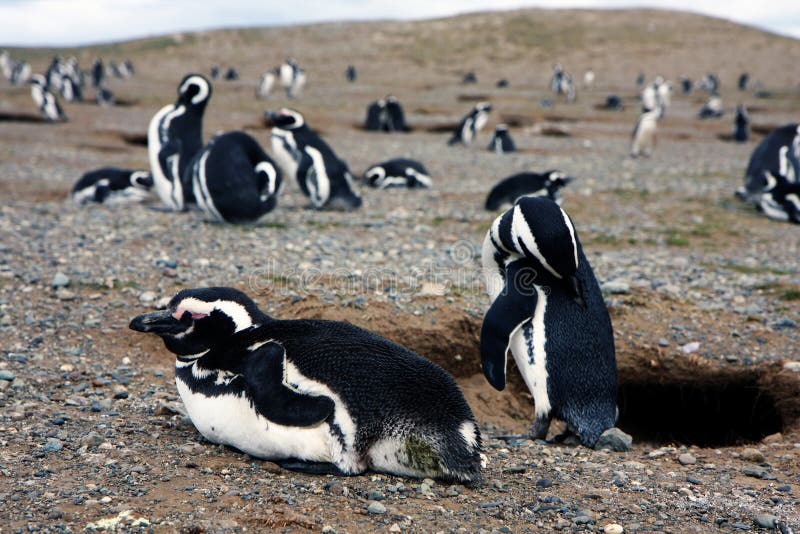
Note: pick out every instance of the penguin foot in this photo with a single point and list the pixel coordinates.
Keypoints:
(311, 468)
(539, 428)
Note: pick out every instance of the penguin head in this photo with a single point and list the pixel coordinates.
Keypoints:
(142, 180)
(500, 129)
(285, 119)
(197, 319)
(38, 79)
(194, 91)
(555, 181)
(269, 184)
(483, 106)
(374, 176)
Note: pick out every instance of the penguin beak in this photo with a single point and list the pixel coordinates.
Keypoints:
(271, 118)
(160, 322)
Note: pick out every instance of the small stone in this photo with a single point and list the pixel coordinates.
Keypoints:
(92, 440)
(662, 342)
(615, 440)
(616, 287)
(120, 392)
(613, 528)
(544, 483)
(375, 495)
(687, 459)
(754, 471)
(753, 455)
(689, 348)
(766, 521)
(65, 294)
(432, 289)
(376, 508)
(792, 366)
(395, 528)
(52, 445)
(6, 375)
(784, 322)
(147, 297)
(60, 280)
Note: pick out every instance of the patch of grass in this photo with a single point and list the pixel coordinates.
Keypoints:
(604, 239)
(630, 194)
(676, 239)
(701, 230)
(436, 221)
(790, 294)
(756, 269)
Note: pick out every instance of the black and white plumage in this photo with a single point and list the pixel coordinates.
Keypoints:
(614, 103)
(231, 74)
(686, 86)
(501, 140)
(174, 137)
(547, 309)
(292, 77)
(104, 96)
(712, 109)
(300, 152)
(741, 124)
(508, 190)
(386, 115)
(45, 101)
(398, 172)
(744, 78)
(471, 124)
(469, 78)
(709, 83)
(562, 84)
(772, 178)
(98, 72)
(233, 179)
(214, 72)
(315, 396)
(643, 138)
(265, 84)
(112, 185)
(21, 73)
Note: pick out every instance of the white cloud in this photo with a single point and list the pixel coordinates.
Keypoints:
(60, 22)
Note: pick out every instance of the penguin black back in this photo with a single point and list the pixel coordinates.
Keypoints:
(233, 179)
(509, 189)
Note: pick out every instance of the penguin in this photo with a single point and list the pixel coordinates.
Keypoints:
(233, 179)
(643, 138)
(316, 396)
(742, 82)
(640, 79)
(45, 100)
(231, 74)
(98, 72)
(214, 72)
(501, 140)
(712, 109)
(686, 86)
(471, 124)
(649, 97)
(664, 94)
(300, 152)
(709, 83)
(398, 172)
(396, 118)
(104, 96)
(21, 74)
(588, 78)
(502, 83)
(265, 85)
(510, 189)
(112, 185)
(386, 115)
(547, 309)
(562, 84)
(174, 137)
(6, 64)
(113, 68)
(292, 77)
(469, 78)
(741, 124)
(129, 67)
(122, 69)
(772, 178)
(556, 80)
(376, 116)
(350, 73)
(614, 103)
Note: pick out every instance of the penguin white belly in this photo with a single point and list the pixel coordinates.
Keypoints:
(532, 358)
(283, 157)
(231, 420)
(129, 195)
(163, 184)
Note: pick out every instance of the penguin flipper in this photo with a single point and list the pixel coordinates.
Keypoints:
(101, 192)
(264, 371)
(312, 468)
(170, 149)
(304, 166)
(513, 306)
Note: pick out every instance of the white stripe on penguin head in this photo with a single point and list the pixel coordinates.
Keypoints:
(571, 229)
(272, 178)
(520, 231)
(199, 82)
(237, 313)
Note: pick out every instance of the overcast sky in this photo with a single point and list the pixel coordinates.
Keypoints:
(72, 22)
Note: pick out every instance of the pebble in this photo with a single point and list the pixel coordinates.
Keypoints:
(753, 455)
(766, 521)
(147, 297)
(52, 445)
(662, 342)
(689, 348)
(375, 495)
(92, 440)
(6, 375)
(376, 508)
(615, 440)
(65, 294)
(754, 471)
(784, 322)
(792, 366)
(616, 287)
(687, 459)
(120, 392)
(613, 528)
(60, 280)
(544, 483)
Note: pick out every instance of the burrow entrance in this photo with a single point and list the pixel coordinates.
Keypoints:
(677, 402)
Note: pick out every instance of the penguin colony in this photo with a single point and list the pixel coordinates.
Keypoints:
(328, 397)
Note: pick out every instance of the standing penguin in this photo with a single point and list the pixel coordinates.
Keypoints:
(45, 100)
(741, 124)
(510, 189)
(98, 72)
(350, 73)
(471, 124)
(772, 178)
(111, 185)
(686, 86)
(743, 79)
(265, 85)
(649, 97)
(104, 96)
(233, 179)
(501, 140)
(643, 139)
(302, 153)
(386, 115)
(174, 137)
(398, 172)
(315, 396)
(547, 309)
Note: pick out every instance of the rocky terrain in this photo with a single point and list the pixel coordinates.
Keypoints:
(704, 292)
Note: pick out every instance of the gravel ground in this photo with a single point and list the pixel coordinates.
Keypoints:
(704, 293)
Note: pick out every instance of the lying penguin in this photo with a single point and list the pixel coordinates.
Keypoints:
(508, 190)
(111, 185)
(233, 179)
(315, 396)
(547, 310)
(398, 172)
